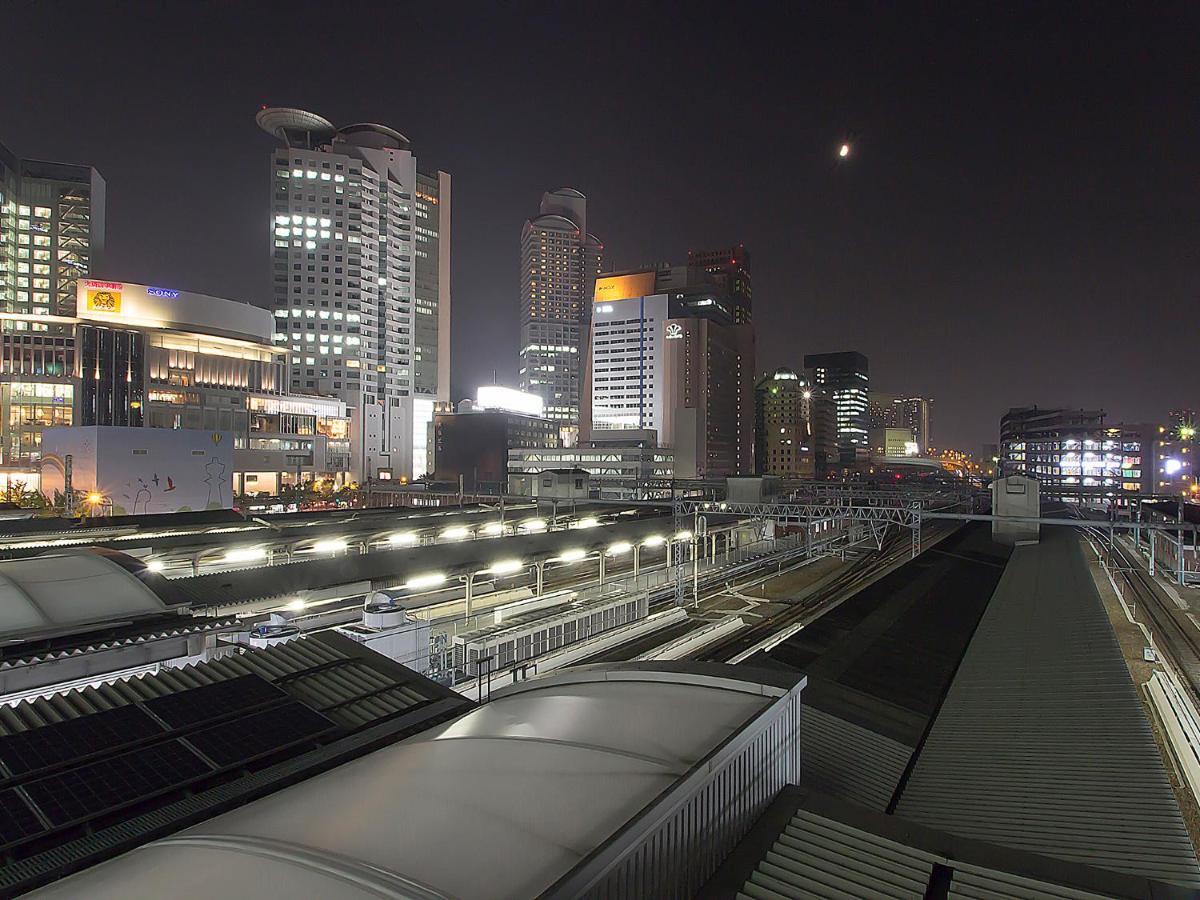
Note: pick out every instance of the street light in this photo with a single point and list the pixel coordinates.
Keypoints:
(245, 554)
(403, 539)
(619, 547)
(456, 533)
(573, 555)
(333, 545)
(589, 522)
(155, 565)
(533, 525)
(420, 582)
(493, 528)
(506, 567)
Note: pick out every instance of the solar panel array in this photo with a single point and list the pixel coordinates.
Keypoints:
(212, 700)
(40, 748)
(108, 784)
(17, 821)
(69, 773)
(246, 739)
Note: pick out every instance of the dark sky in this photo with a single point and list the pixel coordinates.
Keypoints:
(1018, 223)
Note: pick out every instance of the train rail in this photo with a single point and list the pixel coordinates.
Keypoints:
(844, 584)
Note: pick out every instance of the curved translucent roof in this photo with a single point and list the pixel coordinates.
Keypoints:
(59, 593)
(568, 192)
(501, 802)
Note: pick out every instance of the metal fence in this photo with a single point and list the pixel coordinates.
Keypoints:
(672, 848)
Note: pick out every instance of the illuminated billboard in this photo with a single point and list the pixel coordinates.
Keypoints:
(624, 287)
(102, 296)
(494, 396)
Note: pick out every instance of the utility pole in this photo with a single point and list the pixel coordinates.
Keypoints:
(68, 487)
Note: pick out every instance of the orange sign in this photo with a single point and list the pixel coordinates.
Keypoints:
(624, 287)
(104, 300)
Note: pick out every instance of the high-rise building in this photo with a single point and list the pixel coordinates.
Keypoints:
(51, 233)
(51, 236)
(891, 411)
(883, 410)
(361, 280)
(789, 439)
(845, 376)
(664, 355)
(729, 269)
(559, 264)
(915, 414)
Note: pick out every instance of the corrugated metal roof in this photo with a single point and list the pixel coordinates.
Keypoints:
(322, 671)
(850, 761)
(808, 844)
(81, 645)
(1042, 743)
(814, 857)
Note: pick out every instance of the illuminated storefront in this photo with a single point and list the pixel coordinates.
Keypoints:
(151, 356)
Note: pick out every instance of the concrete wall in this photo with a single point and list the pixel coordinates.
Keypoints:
(1015, 495)
(142, 471)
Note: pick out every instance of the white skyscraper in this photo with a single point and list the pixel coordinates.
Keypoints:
(559, 263)
(361, 280)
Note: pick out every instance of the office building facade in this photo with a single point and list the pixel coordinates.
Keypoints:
(360, 250)
(627, 464)
(729, 269)
(793, 426)
(664, 355)
(845, 376)
(471, 446)
(1074, 452)
(883, 410)
(51, 233)
(560, 260)
(916, 414)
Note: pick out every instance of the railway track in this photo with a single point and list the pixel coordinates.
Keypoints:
(839, 587)
(1180, 640)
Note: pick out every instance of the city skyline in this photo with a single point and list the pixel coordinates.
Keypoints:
(939, 229)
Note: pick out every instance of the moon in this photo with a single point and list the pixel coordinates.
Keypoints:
(844, 151)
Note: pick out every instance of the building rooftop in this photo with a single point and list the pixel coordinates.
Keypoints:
(985, 696)
(67, 592)
(89, 774)
(809, 844)
(513, 799)
(1042, 742)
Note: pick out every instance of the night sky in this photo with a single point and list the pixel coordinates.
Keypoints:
(1018, 222)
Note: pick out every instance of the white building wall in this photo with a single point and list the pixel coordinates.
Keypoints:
(627, 363)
